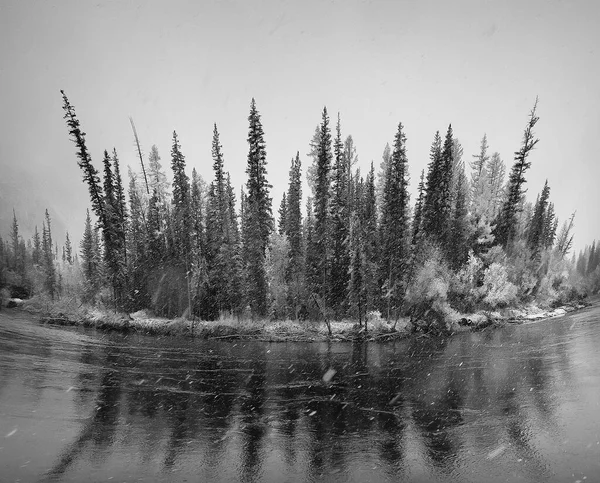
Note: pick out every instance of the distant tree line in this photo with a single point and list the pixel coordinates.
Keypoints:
(185, 249)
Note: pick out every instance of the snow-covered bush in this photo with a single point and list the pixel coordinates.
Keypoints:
(464, 294)
(497, 290)
(430, 284)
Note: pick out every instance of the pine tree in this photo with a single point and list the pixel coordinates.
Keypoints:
(506, 222)
(591, 265)
(459, 230)
(283, 215)
(68, 250)
(157, 178)
(140, 261)
(480, 188)
(320, 250)
(120, 209)
(382, 173)
(294, 269)
(198, 239)
(340, 254)
(37, 247)
(550, 227)
(495, 177)
(49, 269)
(18, 262)
(356, 286)
(90, 174)
(181, 225)
(112, 233)
(417, 223)
(367, 209)
(535, 236)
(431, 200)
(394, 226)
(89, 261)
(259, 217)
(564, 241)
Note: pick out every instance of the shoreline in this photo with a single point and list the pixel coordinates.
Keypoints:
(66, 314)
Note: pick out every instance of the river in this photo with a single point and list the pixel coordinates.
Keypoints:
(520, 403)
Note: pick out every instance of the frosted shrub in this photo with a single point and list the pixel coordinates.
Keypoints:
(498, 291)
(430, 284)
(464, 292)
(375, 320)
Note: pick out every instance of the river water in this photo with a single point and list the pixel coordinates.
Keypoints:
(521, 403)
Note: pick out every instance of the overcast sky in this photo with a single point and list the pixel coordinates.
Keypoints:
(186, 65)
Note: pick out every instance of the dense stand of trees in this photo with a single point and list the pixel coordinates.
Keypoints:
(361, 247)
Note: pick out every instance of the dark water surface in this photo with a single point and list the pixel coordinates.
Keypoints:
(515, 404)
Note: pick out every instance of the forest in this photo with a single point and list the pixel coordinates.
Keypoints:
(354, 248)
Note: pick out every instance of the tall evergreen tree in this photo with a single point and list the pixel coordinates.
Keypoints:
(459, 229)
(535, 236)
(506, 222)
(550, 226)
(394, 226)
(340, 254)
(356, 286)
(259, 216)
(90, 174)
(564, 241)
(367, 209)
(294, 269)
(431, 200)
(157, 178)
(49, 269)
(181, 226)
(89, 261)
(417, 223)
(283, 214)
(320, 250)
(18, 262)
(112, 234)
(68, 250)
(37, 247)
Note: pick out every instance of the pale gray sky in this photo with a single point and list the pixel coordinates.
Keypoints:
(184, 65)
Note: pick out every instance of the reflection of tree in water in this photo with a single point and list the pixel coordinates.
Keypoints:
(252, 408)
(436, 423)
(519, 434)
(101, 427)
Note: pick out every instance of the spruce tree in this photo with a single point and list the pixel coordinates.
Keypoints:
(37, 247)
(283, 215)
(591, 264)
(459, 229)
(181, 225)
(49, 269)
(564, 242)
(198, 241)
(535, 235)
(550, 226)
(356, 285)
(259, 217)
(294, 269)
(367, 208)
(90, 174)
(113, 234)
(430, 202)
(89, 261)
(68, 250)
(18, 264)
(320, 249)
(340, 254)
(417, 222)
(394, 226)
(506, 222)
